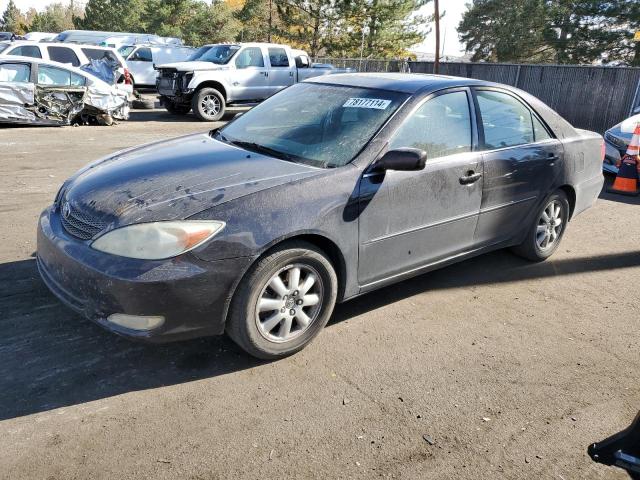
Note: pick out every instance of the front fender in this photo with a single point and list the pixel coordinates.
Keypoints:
(200, 78)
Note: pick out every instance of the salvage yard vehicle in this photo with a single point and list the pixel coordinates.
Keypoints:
(34, 91)
(141, 60)
(224, 75)
(73, 55)
(332, 188)
(617, 139)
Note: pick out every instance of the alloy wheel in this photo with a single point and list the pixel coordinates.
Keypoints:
(289, 303)
(210, 105)
(549, 225)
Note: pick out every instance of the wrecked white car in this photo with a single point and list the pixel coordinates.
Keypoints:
(34, 91)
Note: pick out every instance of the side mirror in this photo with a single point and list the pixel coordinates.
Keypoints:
(404, 159)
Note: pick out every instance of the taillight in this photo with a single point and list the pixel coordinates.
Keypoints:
(603, 150)
(127, 77)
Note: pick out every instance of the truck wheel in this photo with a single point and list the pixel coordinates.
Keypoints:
(176, 108)
(208, 105)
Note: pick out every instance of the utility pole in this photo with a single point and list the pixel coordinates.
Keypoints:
(270, 20)
(436, 63)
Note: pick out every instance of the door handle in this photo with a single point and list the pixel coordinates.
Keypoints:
(552, 157)
(266, 74)
(470, 178)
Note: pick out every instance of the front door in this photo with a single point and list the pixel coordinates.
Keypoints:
(521, 162)
(250, 79)
(411, 219)
(281, 72)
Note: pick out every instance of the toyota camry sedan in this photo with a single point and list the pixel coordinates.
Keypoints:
(330, 189)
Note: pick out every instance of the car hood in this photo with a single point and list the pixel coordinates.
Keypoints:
(174, 179)
(192, 66)
(624, 129)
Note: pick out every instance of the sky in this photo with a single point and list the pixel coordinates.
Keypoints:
(448, 26)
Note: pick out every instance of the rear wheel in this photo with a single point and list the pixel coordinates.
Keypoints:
(283, 302)
(208, 104)
(543, 238)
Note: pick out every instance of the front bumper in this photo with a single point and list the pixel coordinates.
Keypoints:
(612, 155)
(190, 293)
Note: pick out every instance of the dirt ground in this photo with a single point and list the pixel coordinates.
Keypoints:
(511, 369)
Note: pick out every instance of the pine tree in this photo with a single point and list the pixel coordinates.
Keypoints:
(13, 20)
(112, 16)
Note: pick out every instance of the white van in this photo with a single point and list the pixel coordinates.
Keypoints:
(112, 39)
(142, 58)
(70, 54)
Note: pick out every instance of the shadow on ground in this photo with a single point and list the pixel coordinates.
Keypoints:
(50, 357)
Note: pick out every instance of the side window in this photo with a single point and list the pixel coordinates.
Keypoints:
(98, 54)
(539, 131)
(26, 51)
(15, 72)
(278, 57)
(506, 121)
(142, 55)
(59, 77)
(63, 55)
(250, 57)
(440, 127)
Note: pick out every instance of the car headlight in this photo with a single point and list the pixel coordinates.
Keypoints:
(158, 240)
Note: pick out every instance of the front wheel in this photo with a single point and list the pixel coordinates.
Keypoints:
(543, 238)
(208, 104)
(283, 302)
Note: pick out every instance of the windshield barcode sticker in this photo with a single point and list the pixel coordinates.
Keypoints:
(376, 103)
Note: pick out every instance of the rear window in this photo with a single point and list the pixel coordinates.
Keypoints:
(27, 51)
(278, 57)
(15, 72)
(99, 54)
(63, 55)
(3, 47)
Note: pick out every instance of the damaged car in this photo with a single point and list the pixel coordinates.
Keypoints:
(34, 91)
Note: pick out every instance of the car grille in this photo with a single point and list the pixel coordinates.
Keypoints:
(80, 224)
(615, 141)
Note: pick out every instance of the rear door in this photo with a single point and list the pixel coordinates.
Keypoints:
(521, 161)
(281, 72)
(250, 79)
(412, 219)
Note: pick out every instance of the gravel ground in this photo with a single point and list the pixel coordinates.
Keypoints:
(509, 368)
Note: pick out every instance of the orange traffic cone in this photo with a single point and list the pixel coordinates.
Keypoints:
(626, 181)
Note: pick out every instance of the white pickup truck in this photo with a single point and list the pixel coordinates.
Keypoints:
(224, 75)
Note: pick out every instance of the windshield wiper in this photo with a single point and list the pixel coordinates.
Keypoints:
(256, 147)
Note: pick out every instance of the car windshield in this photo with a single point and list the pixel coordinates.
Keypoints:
(198, 53)
(219, 54)
(320, 125)
(126, 50)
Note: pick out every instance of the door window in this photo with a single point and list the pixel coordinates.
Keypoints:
(539, 130)
(59, 77)
(278, 57)
(63, 55)
(142, 55)
(26, 51)
(250, 57)
(15, 72)
(440, 127)
(506, 121)
(99, 54)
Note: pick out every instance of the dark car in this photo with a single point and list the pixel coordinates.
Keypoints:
(617, 139)
(332, 188)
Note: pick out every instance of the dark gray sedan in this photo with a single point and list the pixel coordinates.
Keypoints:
(332, 188)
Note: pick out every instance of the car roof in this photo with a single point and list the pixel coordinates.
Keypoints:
(398, 82)
(56, 44)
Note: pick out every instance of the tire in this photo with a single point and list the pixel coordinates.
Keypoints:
(144, 104)
(176, 108)
(263, 334)
(211, 113)
(533, 248)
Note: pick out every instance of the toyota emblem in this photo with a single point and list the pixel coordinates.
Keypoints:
(66, 210)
